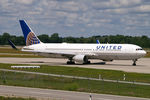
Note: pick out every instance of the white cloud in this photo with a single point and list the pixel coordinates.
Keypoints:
(143, 8)
(116, 3)
(68, 6)
(134, 9)
(106, 16)
(24, 1)
(117, 11)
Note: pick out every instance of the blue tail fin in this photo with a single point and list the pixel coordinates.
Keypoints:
(29, 35)
(97, 41)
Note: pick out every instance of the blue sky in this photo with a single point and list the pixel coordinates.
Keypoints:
(77, 17)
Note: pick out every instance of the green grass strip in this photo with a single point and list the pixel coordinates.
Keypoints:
(15, 98)
(48, 82)
(22, 56)
(85, 72)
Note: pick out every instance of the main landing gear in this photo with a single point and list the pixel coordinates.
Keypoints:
(134, 62)
(87, 62)
(70, 61)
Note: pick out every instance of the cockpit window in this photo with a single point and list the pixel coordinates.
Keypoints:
(139, 49)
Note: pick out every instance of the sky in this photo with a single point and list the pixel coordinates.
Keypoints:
(77, 17)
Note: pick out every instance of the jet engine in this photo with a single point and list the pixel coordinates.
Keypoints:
(80, 58)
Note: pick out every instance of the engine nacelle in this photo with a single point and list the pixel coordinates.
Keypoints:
(80, 58)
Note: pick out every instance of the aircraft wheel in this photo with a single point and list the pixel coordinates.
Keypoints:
(134, 62)
(88, 62)
(70, 62)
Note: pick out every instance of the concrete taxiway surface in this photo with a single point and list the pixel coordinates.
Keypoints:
(143, 64)
(47, 94)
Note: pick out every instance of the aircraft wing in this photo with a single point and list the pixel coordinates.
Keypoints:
(62, 53)
(66, 54)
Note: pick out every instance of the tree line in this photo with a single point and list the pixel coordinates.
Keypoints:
(142, 41)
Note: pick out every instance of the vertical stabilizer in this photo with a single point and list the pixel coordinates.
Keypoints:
(29, 35)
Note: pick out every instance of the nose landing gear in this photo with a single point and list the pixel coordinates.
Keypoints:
(134, 62)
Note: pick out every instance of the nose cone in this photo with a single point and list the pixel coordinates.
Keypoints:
(143, 53)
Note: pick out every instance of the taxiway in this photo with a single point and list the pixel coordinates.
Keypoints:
(48, 94)
(143, 64)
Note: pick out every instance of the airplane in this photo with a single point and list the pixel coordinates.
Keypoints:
(79, 52)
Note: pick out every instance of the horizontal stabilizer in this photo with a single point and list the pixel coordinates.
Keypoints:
(12, 45)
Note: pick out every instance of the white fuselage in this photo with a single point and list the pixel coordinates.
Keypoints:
(92, 51)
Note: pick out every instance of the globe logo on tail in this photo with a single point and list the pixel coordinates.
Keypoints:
(32, 39)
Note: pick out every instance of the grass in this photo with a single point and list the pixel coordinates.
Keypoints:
(22, 56)
(85, 72)
(15, 98)
(10, 50)
(147, 49)
(48, 82)
(16, 53)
